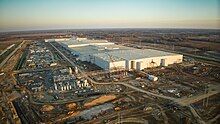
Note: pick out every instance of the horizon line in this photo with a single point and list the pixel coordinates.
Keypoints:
(106, 28)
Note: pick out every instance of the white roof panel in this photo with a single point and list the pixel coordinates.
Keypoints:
(104, 49)
(134, 54)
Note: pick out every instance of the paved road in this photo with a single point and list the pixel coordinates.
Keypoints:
(197, 117)
(11, 54)
(5, 50)
(35, 70)
(125, 84)
(195, 114)
(215, 119)
(185, 101)
(179, 101)
(73, 64)
(129, 120)
(149, 93)
(163, 114)
(122, 113)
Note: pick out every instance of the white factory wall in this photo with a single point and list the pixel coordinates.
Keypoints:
(60, 39)
(49, 40)
(81, 39)
(137, 64)
(107, 43)
(87, 44)
(153, 62)
(106, 65)
(101, 63)
(118, 64)
(78, 45)
(174, 59)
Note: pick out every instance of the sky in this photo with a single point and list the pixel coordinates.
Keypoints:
(18, 15)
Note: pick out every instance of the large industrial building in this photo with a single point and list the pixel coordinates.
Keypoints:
(108, 55)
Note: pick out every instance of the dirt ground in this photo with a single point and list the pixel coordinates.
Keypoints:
(5, 44)
(100, 100)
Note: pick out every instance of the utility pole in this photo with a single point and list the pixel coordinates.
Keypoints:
(203, 103)
(207, 99)
(119, 117)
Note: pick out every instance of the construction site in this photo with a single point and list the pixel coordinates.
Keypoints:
(109, 61)
(77, 80)
(109, 56)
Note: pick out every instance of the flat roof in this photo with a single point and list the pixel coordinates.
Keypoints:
(73, 42)
(92, 49)
(105, 50)
(108, 57)
(134, 54)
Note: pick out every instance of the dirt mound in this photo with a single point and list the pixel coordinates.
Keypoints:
(71, 106)
(47, 108)
(100, 100)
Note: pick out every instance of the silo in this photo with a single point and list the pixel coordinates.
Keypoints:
(55, 86)
(67, 87)
(76, 70)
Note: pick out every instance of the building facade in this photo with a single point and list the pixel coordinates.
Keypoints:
(108, 55)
